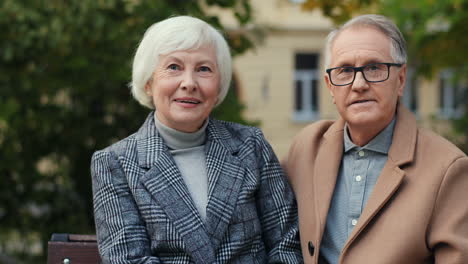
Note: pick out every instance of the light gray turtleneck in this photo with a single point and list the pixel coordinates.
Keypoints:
(187, 149)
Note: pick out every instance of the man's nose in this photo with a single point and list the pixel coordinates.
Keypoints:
(360, 82)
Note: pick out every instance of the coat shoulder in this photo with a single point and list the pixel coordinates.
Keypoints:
(246, 142)
(119, 148)
(435, 151)
(235, 131)
(313, 133)
(431, 143)
(307, 143)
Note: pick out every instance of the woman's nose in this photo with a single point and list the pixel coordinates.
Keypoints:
(188, 82)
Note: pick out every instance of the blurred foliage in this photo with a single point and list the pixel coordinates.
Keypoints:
(436, 33)
(65, 69)
(437, 36)
(339, 11)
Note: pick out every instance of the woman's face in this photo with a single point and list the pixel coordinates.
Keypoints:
(185, 87)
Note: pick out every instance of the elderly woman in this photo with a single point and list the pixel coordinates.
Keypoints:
(186, 188)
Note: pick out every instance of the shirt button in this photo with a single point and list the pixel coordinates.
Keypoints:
(358, 178)
(361, 153)
(354, 222)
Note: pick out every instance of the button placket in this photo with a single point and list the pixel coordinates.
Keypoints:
(358, 184)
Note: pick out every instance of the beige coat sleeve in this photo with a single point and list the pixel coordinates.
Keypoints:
(448, 232)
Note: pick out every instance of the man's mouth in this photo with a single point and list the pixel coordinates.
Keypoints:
(361, 101)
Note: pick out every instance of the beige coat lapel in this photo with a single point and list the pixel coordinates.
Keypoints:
(327, 165)
(391, 177)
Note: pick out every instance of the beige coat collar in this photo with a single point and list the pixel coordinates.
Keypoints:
(328, 162)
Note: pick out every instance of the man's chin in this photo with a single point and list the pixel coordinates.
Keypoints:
(363, 119)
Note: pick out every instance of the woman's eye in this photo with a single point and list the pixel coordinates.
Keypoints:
(204, 69)
(173, 67)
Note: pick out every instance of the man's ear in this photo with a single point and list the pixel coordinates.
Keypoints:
(330, 87)
(402, 80)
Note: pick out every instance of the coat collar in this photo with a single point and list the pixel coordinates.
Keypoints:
(328, 161)
(150, 144)
(327, 164)
(403, 146)
(401, 152)
(166, 185)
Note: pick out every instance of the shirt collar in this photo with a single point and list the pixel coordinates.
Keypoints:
(381, 143)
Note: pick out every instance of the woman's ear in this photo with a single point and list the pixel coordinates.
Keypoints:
(148, 89)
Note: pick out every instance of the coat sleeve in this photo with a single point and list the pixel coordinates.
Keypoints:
(448, 232)
(277, 208)
(121, 234)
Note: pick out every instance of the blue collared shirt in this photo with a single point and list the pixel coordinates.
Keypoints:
(359, 170)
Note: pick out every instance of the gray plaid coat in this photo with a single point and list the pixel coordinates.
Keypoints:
(144, 213)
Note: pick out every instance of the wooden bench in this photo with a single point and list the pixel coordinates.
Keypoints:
(73, 249)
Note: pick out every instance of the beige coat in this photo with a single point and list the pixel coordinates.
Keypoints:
(417, 212)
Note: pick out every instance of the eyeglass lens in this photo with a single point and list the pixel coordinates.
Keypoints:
(373, 73)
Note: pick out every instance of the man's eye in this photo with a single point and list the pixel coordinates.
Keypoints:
(376, 67)
(346, 70)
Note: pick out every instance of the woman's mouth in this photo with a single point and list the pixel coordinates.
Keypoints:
(187, 101)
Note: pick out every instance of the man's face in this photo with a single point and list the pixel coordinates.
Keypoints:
(365, 104)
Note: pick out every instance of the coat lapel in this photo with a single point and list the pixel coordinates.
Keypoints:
(225, 177)
(389, 180)
(164, 182)
(327, 165)
(401, 152)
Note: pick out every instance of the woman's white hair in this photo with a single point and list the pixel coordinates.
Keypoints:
(381, 23)
(174, 34)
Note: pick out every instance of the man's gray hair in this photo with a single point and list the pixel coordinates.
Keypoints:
(174, 34)
(381, 23)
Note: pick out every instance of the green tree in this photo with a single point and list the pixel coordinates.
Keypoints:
(64, 74)
(340, 11)
(437, 38)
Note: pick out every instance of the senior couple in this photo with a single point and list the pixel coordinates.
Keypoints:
(370, 187)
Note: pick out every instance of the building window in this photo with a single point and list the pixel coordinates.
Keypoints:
(410, 93)
(306, 97)
(451, 94)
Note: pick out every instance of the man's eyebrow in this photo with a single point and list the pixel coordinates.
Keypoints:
(346, 64)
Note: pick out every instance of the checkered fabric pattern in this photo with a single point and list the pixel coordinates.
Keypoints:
(144, 213)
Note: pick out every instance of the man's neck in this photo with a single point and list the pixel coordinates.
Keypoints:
(361, 135)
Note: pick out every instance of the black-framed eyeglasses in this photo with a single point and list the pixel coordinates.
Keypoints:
(374, 72)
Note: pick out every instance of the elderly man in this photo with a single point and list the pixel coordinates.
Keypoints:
(372, 187)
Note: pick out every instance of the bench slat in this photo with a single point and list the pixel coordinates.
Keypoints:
(81, 249)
